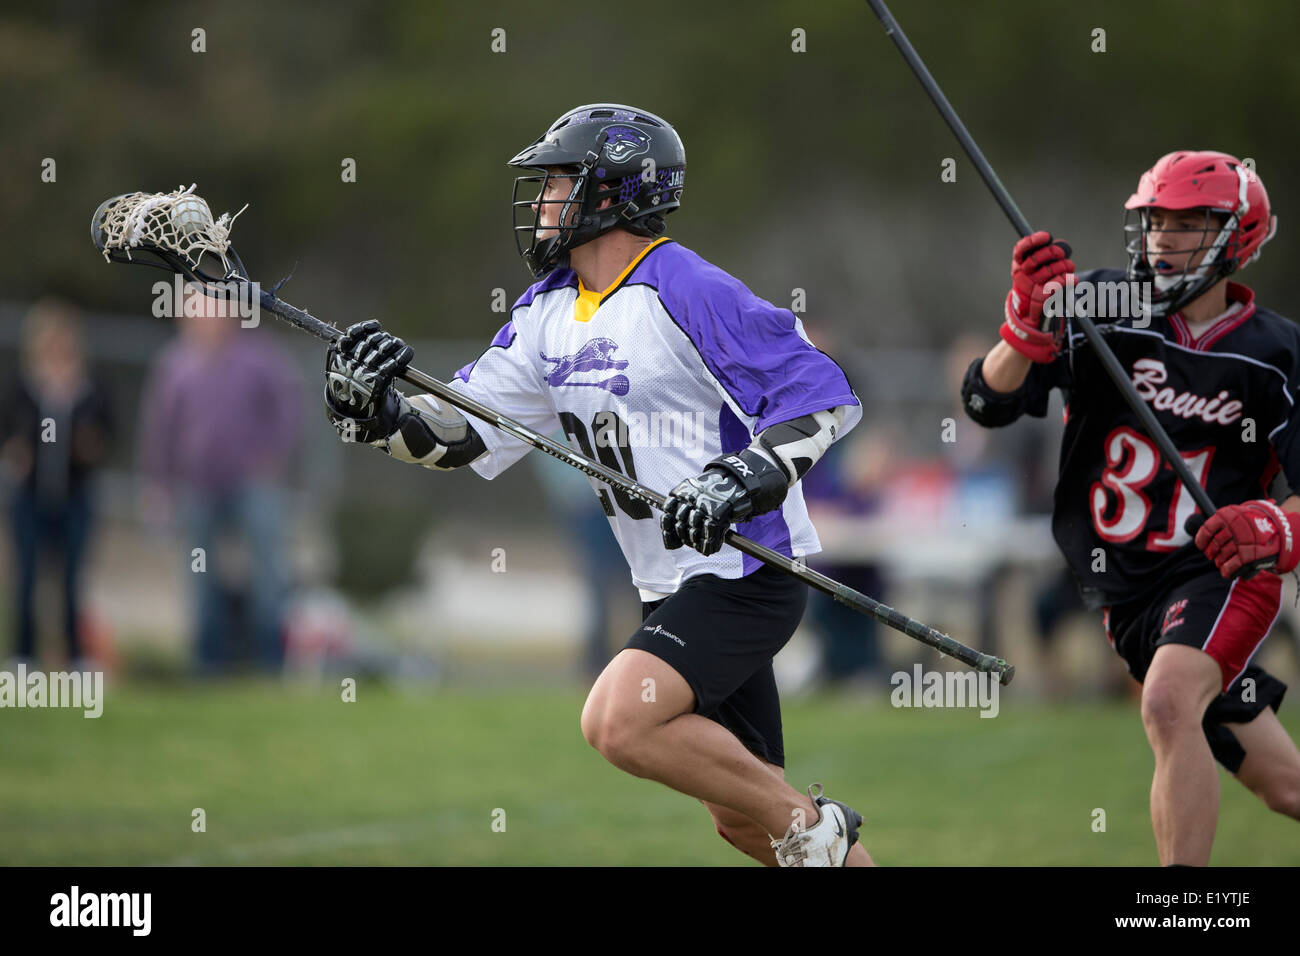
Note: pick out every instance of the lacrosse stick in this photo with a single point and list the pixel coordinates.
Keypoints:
(176, 231)
(1109, 362)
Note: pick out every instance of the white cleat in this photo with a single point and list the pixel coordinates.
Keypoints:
(827, 842)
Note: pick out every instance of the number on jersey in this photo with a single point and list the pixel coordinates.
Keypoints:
(1120, 507)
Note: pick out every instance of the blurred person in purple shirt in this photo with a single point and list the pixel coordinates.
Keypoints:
(56, 426)
(220, 419)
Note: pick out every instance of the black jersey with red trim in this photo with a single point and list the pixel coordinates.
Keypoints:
(1228, 400)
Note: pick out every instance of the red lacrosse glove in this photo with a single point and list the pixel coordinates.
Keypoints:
(1036, 260)
(1254, 535)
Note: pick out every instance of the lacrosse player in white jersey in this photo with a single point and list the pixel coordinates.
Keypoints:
(669, 370)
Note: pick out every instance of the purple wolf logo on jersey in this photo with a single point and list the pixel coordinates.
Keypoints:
(596, 356)
(624, 142)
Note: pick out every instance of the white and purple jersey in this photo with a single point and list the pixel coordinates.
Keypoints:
(674, 365)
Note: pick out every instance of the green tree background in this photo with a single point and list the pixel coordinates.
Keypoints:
(817, 170)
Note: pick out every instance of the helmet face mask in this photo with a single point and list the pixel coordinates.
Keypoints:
(542, 252)
(628, 169)
(1174, 288)
(1235, 223)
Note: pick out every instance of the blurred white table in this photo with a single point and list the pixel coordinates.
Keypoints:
(936, 549)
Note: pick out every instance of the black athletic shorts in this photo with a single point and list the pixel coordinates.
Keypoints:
(1228, 619)
(721, 634)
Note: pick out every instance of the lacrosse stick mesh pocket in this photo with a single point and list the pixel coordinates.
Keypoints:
(178, 222)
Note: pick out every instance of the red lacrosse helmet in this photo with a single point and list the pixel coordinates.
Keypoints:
(1237, 220)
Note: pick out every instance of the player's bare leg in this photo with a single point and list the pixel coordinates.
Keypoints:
(858, 856)
(649, 730)
(1179, 686)
(742, 832)
(747, 836)
(1271, 769)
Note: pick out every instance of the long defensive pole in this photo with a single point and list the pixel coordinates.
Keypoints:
(1108, 360)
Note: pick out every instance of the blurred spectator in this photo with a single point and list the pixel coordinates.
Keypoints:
(845, 484)
(1055, 597)
(1007, 474)
(220, 419)
(55, 430)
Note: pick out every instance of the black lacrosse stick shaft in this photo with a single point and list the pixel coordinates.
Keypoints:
(1108, 360)
(171, 260)
(1000, 193)
(840, 592)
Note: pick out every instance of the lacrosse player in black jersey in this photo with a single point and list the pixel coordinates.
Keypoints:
(1186, 602)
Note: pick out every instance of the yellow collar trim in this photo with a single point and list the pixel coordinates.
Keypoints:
(585, 306)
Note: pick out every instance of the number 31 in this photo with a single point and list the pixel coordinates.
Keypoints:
(1132, 462)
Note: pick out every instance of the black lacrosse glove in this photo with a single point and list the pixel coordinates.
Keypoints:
(699, 511)
(359, 371)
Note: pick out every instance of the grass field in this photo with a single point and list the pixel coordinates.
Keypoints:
(295, 776)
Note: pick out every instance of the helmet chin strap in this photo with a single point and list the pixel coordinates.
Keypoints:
(546, 255)
(567, 209)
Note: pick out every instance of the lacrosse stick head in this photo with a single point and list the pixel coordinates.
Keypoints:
(174, 231)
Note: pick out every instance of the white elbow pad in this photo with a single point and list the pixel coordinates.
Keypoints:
(796, 445)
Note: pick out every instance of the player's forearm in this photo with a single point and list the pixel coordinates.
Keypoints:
(1005, 369)
(1292, 504)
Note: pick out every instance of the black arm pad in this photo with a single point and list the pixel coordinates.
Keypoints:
(985, 406)
(421, 441)
(795, 432)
